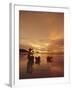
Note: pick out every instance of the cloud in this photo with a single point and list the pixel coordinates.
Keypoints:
(42, 30)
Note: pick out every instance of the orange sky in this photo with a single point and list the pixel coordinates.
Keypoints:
(43, 31)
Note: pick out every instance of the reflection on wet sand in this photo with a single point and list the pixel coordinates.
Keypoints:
(45, 65)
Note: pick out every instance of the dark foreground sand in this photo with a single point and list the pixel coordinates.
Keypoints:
(44, 69)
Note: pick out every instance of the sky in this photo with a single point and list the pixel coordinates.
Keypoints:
(42, 31)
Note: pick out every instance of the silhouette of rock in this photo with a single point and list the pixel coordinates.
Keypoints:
(23, 51)
(49, 59)
(30, 61)
(37, 60)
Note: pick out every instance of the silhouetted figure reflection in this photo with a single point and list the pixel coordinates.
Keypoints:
(30, 61)
(49, 59)
(37, 60)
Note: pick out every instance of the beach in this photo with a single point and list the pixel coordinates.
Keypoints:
(44, 69)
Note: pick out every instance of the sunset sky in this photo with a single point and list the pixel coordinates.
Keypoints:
(43, 31)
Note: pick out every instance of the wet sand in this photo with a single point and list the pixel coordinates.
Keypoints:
(44, 69)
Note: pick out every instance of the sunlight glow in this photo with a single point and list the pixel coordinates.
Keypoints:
(35, 45)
